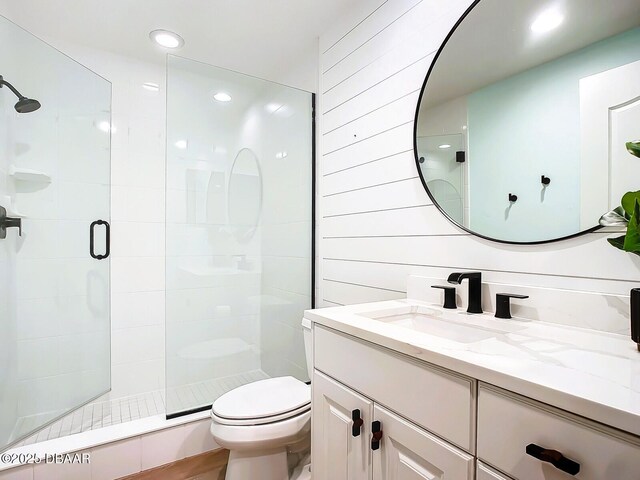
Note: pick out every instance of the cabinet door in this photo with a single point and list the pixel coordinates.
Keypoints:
(337, 453)
(487, 473)
(409, 453)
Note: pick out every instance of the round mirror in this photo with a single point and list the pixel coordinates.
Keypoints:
(522, 121)
(245, 194)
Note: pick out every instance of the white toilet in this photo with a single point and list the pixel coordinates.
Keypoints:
(262, 422)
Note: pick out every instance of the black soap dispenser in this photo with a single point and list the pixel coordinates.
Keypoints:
(635, 315)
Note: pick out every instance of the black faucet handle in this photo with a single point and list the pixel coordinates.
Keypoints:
(635, 315)
(449, 296)
(503, 304)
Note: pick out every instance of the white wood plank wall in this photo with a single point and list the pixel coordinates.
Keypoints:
(376, 225)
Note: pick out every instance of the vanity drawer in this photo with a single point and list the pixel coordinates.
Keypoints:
(508, 423)
(483, 472)
(438, 401)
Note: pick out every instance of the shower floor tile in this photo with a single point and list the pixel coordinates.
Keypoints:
(103, 413)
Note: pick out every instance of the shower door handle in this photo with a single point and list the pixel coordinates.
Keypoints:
(107, 239)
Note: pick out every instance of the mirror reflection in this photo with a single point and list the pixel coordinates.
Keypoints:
(245, 194)
(523, 119)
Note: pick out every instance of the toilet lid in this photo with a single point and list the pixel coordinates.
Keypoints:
(264, 398)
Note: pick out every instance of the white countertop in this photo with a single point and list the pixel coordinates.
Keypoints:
(586, 372)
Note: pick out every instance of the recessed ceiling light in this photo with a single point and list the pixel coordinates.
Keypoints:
(166, 39)
(546, 21)
(222, 97)
(152, 87)
(281, 155)
(181, 144)
(444, 146)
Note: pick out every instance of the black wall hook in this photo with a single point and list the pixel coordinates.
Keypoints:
(513, 198)
(545, 180)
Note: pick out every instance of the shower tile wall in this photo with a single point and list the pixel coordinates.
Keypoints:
(137, 214)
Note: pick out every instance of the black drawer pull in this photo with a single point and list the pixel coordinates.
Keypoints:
(553, 457)
(357, 422)
(376, 435)
(107, 239)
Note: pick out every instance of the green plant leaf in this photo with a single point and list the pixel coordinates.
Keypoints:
(614, 218)
(632, 238)
(628, 202)
(633, 148)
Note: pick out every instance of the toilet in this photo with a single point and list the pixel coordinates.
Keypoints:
(263, 423)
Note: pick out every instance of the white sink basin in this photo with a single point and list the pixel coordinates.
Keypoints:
(433, 322)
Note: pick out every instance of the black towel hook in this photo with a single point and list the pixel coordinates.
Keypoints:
(545, 180)
(513, 198)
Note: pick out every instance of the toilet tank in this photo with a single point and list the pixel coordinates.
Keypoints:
(308, 345)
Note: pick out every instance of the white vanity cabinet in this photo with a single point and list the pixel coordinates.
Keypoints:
(408, 452)
(405, 450)
(510, 425)
(468, 399)
(340, 449)
(484, 472)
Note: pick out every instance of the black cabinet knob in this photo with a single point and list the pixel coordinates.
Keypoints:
(376, 435)
(449, 296)
(503, 304)
(357, 422)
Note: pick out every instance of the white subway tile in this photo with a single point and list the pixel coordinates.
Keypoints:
(63, 471)
(116, 460)
(162, 447)
(198, 438)
(17, 473)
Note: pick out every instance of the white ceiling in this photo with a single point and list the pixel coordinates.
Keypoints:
(495, 41)
(260, 37)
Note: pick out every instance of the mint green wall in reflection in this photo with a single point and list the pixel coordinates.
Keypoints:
(528, 125)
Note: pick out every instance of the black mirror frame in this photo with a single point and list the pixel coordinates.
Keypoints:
(417, 162)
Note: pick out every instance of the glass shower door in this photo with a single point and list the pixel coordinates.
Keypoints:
(238, 231)
(54, 265)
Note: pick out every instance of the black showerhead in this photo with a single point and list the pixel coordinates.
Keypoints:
(24, 105)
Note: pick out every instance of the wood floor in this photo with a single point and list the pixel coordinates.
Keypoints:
(206, 466)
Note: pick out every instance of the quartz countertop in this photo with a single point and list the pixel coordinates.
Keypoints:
(587, 372)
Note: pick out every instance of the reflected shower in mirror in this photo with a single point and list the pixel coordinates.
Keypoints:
(535, 100)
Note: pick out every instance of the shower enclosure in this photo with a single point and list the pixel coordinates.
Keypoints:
(54, 281)
(238, 231)
(239, 252)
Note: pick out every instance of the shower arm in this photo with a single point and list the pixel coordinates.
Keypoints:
(11, 87)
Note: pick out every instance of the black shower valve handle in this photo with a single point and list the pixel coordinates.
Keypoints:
(9, 222)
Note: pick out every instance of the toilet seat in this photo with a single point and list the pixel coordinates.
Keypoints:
(262, 402)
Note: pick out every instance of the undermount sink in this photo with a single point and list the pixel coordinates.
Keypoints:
(431, 321)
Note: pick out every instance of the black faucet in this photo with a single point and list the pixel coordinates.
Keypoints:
(475, 288)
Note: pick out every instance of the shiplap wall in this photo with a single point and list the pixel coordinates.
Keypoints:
(376, 224)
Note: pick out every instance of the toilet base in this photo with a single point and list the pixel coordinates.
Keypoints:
(263, 464)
